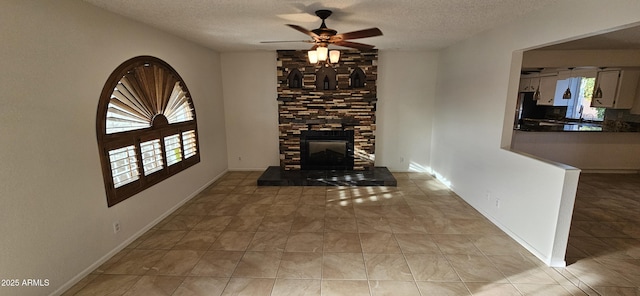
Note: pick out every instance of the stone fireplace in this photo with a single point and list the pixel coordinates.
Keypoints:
(327, 112)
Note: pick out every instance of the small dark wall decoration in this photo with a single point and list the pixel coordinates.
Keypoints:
(357, 78)
(295, 79)
(326, 78)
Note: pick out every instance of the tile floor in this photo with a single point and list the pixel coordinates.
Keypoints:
(415, 239)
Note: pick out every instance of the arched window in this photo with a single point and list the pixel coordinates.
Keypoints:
(357, 78)
(295, 79)
(146, 127)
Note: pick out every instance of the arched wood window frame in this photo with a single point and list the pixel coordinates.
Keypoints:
(357, 78)
(146, 127)
(295, 79)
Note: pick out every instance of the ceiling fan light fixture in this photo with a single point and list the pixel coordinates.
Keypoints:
(334, 56)
(323, 53)
(313, 56)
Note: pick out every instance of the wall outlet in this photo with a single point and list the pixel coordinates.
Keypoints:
(116, 227)
(497, 202)
(487, 195)
(401, 159)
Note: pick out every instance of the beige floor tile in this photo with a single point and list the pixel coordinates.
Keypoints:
(298, 265)
(136, 262)
(268, 241)
(584, 271)
(542, 290)
(431, 267)
(262, 197)
(340, 224)
(249, 287)
(455, 244)
(305, 242)
(226, 209)
(201, 286)
(213, 223)
(217, 264)
(392, 288)
(311, 211)
(307, 224)
(155, 285)
(176, 262)
(313, 199)
(244, 223)
(162, 239)
(387, 267)
(281, 210)
(287, 199)
(443, 288)
(290, 190)
(348, 266)
(232, 241)
(340, 208)
(408, 224)
(345, 288)
(497, 245)
(473, 268)
(616, 291)
(254, 210)
(493, 289)
(416, 243)
(382, 243)
(258, 265)
(276, 224)
(198, 208)
(107, 284)
(342, 242)
(182, 222)
(208, 197)
(197, 240)
(519, 269)
(296, 287)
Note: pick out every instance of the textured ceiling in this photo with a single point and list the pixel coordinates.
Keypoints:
(628, 38)
(239, 25)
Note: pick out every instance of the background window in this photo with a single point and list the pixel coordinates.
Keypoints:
(146, 127)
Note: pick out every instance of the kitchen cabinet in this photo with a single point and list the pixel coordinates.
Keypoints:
(548, 90)
(617, 89)
(529, 84)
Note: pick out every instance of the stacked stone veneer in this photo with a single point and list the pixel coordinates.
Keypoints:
(344, 108)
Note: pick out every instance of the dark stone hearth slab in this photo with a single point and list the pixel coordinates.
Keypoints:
(276, 176)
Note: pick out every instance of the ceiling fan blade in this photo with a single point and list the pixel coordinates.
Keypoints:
(284, 41)
(304, 31)
(372, 32)
(355, 45)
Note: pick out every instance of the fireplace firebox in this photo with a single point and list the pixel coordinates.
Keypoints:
(326, 150)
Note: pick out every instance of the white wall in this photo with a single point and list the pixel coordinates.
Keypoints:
(475, 101)
(593, 151)
(406, 93)
(56, 57)
(251, 109)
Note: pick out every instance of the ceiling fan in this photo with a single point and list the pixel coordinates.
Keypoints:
(323, 36)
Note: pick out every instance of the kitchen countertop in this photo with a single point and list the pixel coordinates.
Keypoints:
(549, 125)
